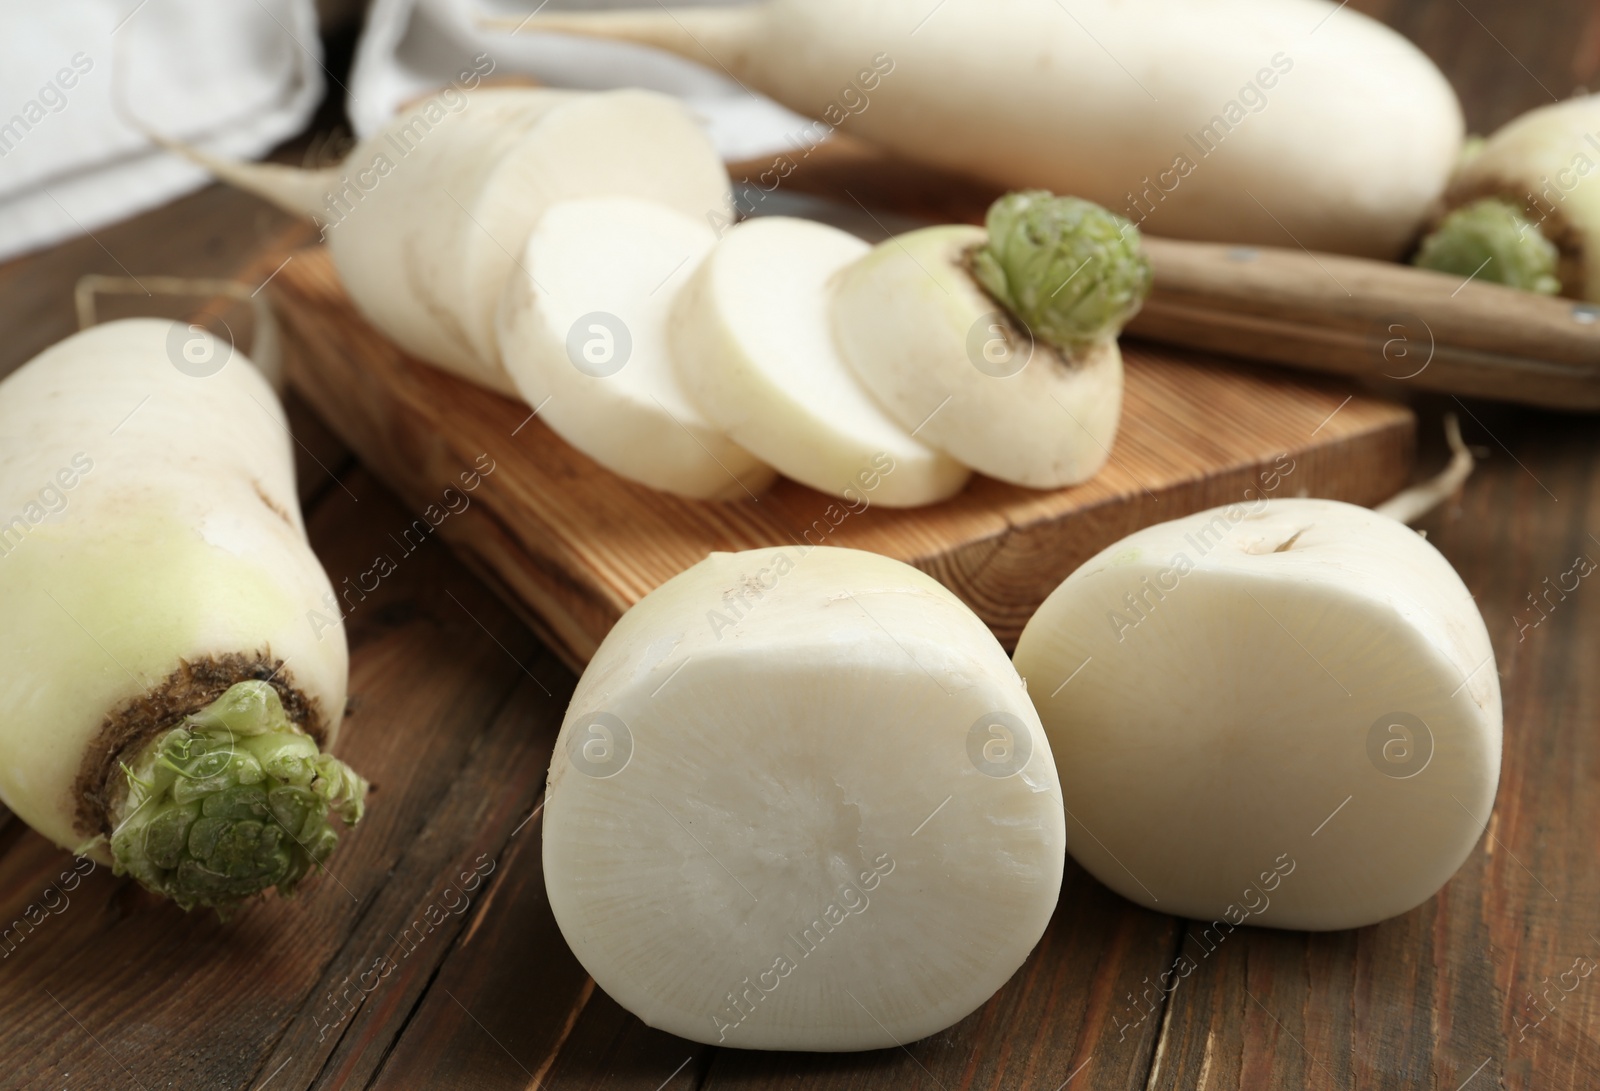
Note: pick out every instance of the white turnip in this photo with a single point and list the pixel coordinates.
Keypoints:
(801, 801)
(1284, 712)
(1524, 209)
(165, 702)
(1265, 121)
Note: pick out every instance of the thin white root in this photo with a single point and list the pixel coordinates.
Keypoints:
(266, 347)
(300, 192)
(1409, 505)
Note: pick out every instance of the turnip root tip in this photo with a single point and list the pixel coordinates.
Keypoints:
(231, 801)
(1069, 269)
(1409, 505)
(1492, 240)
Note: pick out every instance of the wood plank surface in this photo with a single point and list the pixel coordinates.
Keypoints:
(1462, 994)
(577, 545)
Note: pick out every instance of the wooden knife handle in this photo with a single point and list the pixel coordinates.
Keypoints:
(1354, 316)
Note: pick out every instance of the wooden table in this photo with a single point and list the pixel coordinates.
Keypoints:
(457, 707)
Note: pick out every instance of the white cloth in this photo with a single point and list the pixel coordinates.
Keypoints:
(412, 47)
(232, 78)
(237, 78)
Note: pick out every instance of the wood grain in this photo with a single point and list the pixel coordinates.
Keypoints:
(577, 545)
(1372, 319)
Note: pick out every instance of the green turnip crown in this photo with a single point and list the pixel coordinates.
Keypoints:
(1492, 240)
(231, 801)
(1071, 270)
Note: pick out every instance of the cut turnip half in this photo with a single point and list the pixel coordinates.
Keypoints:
(801, 801)
(583, 334)
(1282, 713)
(752, 341)
(998, 346)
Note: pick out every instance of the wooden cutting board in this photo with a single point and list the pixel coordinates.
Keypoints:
(575, 545)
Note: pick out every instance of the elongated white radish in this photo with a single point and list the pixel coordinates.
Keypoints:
(1283, 713)
(1234, 120)
(1524, 209)
(164, 685)
(583, 333)
(801, 801)
(1018, 376)
(752, 340)
(425, 220)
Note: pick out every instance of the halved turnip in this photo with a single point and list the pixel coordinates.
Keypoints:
(583, 334)
(752, 341)
(1285, 713)
(801, 801)
(427, 218)
(998, 345)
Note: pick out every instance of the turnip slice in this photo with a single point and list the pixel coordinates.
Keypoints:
(583, 333)
(801, 801)
(1284, 713)
(172, 662)
(1264, 121)
(752, 341)
(426, 219)
(1018, 377)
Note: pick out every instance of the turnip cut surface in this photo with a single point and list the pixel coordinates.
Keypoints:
(801, 801)
(583, 332)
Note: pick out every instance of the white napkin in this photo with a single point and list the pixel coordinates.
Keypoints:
(238, 78)
(411, 47)
(233, 78)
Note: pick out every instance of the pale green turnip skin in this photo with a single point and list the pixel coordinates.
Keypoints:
(1545, 165)
(426, 219)
(797, 719)
(183, 541)
(1343, 146)
(1221, 692)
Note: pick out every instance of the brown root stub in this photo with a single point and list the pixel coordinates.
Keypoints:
(191, 687)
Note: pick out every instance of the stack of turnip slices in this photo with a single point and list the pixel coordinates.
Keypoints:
(559, 246)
